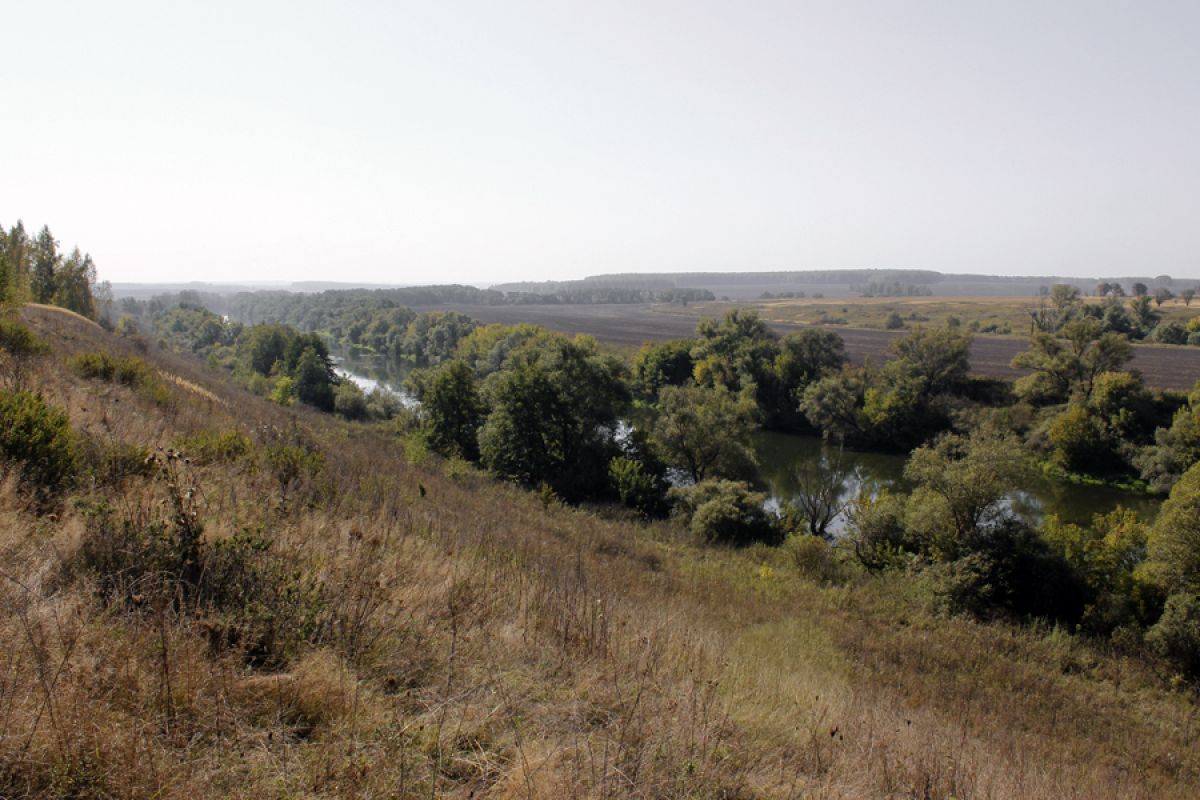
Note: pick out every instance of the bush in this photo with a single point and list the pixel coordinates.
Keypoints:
(1194, 339)
(894, 322)
(636, 487)
(1081, 443)
(1169, 333)
(1176, 635)
(876, 530)
(816, 558)
(39, 437)
(128, 371)
(250, 598)
(109, 462)
(18, 347)
(1009, 569)
(284, 392)
(206, 447)
(726, 512)
(350, 402)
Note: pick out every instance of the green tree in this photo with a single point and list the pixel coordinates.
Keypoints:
(1174, 543)
(1174, 563)
(453, 410)
(1107, 555)
(970, 476)
(1065, 298)
(1144, 315)
(803, 358)
(314, 386)
(939, 356)
(15, 267)
(735, 352)
(1175, 449)
(267, 346)
(74, 284)
(1069, 362)
(43, 279)
(704, 432)
(553, 417)
(831, 405)
(1081, 441)
(663, 364)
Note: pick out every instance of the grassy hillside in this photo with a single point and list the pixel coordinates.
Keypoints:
(365, 620)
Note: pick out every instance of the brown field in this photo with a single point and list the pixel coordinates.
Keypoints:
(478, 642)
(1162, 366)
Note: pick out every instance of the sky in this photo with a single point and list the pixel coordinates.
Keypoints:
(477, 142)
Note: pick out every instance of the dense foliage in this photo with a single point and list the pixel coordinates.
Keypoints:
(34, 269)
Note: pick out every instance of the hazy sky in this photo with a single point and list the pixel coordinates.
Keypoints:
(482, 141)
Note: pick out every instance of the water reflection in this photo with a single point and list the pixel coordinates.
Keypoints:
(369, 378)
(780, 457)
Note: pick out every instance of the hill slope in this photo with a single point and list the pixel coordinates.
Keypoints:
(361, 619)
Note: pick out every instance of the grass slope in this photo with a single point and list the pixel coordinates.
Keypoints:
(476, 643)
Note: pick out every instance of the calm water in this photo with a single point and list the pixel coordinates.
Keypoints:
(369, 378)
(780, 454)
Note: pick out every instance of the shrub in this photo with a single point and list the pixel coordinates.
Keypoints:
(816, 558)
(108, 463)
(1169, 333)
(284, 392)
(876, 530)
(1176, 635)
(894, 322)
(292, 457)
(1009, 569)
(350, 402)
(248, 597)
(636, 486)
(206, 447)
(1194, 339)
(726, 512)
(1081, 443)
(128, 371)
(127, 327)
(39, 437)
(94, 365)
(18, 347)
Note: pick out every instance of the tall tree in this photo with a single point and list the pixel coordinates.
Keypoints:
(453, 410)
(704, 431)
(43, 279)
(74, 282)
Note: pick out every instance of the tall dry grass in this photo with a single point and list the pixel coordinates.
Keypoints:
(462, 639)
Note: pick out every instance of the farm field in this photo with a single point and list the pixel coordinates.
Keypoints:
(1003, 315)
(1167, 367)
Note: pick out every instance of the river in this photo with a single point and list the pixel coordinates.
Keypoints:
(780, 454)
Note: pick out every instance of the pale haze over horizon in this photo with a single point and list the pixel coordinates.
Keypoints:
(481, 142)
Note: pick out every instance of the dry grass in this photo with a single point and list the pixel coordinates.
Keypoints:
(475, 643)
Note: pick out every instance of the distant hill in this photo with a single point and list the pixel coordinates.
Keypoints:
(834, 282)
